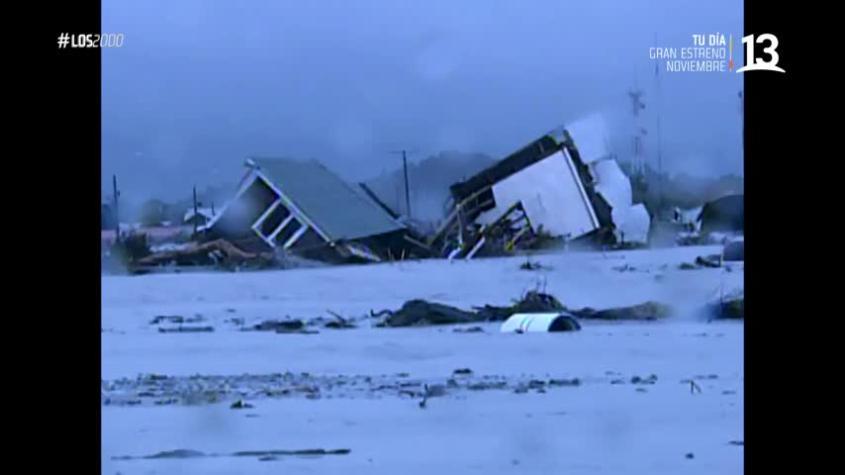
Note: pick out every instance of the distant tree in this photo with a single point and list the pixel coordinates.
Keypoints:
(153, 212)
(106, 217)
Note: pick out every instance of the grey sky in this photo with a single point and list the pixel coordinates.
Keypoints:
(198, 85)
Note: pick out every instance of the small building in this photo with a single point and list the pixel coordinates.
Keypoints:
(303, 208)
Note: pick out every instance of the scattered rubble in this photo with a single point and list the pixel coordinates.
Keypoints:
(543, 309)
(260, 454)
(218, 252)
(532, 302)
(713, 261)
(279, 326)
(485, 385)
(625, 268)
(339, 323)
(530, 265)
(649, 380)
(240, 391)
(646, 311)
(421, 312)
(167, 318)
(176, 319)
(240, 404)
(185, 329)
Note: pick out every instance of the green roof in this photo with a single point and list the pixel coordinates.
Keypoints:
(333, 205)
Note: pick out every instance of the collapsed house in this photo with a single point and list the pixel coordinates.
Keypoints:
(726, 214)
(565, 184)
(302, 208)
(716, 222)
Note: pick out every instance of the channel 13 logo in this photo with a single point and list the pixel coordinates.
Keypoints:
(755, 63)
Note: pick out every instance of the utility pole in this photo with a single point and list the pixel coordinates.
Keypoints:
(407, 187)
(115, 195)
(195, 210)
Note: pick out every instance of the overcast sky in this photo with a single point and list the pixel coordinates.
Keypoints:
(199, 85)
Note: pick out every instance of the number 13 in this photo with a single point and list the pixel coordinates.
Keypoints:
(759, 64)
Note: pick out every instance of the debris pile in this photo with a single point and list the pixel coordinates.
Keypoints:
(219, 252)
(544, 309)
(262, 455)
(713, 261)
(531, 265)
(179, 322)
(279, 326)
(421, 312)
(531, 302)
(242, 391)
(186, 329)
(646, 311)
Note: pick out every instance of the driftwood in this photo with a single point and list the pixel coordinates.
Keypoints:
(709, 261)
(279, 326)
(644, 311)
(201, 252)
(188, 453)
(339, 322)
(421, 312)
(184, 329)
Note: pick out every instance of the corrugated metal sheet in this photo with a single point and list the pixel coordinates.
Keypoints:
(331, 203)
